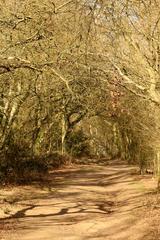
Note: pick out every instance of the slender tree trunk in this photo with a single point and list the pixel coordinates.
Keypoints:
(158, 169)
(64, 134)
(11, 108)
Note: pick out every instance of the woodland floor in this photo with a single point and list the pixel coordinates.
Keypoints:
(109, 202)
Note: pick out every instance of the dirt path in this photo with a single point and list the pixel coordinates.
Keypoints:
(88, 202)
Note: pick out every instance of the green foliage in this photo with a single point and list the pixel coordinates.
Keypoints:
(17, 164)
(76, 144)
(57, 160)
(146, 158)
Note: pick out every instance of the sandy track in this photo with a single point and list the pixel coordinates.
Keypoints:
(86, 202)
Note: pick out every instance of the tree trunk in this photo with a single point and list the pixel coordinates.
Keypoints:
(65, 130)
